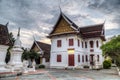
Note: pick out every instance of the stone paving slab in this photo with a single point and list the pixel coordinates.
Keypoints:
(57, 74)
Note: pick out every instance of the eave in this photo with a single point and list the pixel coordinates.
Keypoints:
(58, 34)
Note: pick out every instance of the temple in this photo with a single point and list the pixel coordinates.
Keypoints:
(76, 47)
(4, 44)
(44, 50)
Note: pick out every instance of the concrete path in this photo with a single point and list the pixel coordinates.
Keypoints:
(55, 74)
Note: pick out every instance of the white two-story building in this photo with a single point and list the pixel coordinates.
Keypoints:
(76, 47)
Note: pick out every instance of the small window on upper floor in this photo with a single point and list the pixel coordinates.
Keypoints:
(97, 44)
(82, 45)
(59, 44)
(85, 44)
(71, 42)
(91, 44)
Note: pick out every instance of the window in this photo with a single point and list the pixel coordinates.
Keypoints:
(86, 58)
(82, 58)
(46, 59)
(58, 43)
(91, 44)
(78, 42)
(91, 50)
(59, 58)
(85, 44)
(71, 42)
(98, 58)
(97, 44)
(79, 58)
(82, 44)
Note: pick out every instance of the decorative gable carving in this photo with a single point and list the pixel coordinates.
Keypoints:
(36, 49)
(63, 27)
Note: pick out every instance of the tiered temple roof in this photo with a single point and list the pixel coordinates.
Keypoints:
(65, 26)
(43, 46)
(4, 35)
(92, 31)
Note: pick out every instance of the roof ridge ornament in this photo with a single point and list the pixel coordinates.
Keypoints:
(104, 21)
(36, 42)
(60, 7)
(7, 23)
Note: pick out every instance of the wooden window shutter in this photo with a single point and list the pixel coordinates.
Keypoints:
(71, 42)
(82, 58)
(98, 58)
(58, 43)
(47, 60)
(86, 58)
(91, 44)
(85, 44)
(82, 44)
(79, 58)
(59, 58)
(97, 44)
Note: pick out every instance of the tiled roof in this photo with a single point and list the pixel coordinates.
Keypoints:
(73, 25)
(92, 31)
(71, 22)
(45, 48)
(4, 35)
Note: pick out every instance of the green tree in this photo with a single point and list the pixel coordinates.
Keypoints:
(12, 40)
(30, 55)
(112, 49)
(25, 55)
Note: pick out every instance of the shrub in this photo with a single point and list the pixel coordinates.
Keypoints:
(106, 64)
(86, 66)
(41, 66)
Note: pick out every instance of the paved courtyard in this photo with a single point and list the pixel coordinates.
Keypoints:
(55, 74)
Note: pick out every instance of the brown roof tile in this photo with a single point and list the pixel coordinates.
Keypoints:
(45, 48)
(92, 31)
(4, 35)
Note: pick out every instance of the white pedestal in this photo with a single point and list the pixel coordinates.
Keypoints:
(15, 60)
(3, 52)
(25, 66)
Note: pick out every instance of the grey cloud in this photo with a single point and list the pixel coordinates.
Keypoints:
(113, 32)
(35, 14)
(109, 7)
(17, 10)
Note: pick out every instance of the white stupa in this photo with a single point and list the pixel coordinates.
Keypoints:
(16, 54)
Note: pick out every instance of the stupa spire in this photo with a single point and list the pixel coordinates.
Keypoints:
(18, 32)
(17, 41)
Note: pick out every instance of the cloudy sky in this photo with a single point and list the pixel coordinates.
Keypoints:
(39, 16)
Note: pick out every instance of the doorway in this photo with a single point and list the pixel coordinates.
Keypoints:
(71, 60)
(91, 59)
